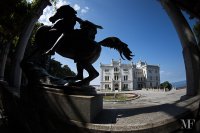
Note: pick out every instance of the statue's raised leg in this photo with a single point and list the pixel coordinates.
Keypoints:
(92, 75)
(79, 75)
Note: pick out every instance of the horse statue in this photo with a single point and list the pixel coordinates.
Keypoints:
(78, 45)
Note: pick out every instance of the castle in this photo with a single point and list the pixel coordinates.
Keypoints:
(120, 77)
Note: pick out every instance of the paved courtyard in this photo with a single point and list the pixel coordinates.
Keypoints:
(149, 98)
(151, 109)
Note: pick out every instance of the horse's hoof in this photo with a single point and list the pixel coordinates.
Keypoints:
(73, 78)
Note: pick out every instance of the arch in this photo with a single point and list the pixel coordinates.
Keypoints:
(190, 48)
(116, 86)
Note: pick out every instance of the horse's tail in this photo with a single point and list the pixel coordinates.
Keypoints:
(116, 43)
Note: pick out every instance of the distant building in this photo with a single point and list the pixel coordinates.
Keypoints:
(119, 76)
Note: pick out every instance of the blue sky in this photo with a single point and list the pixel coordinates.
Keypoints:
(142, 24)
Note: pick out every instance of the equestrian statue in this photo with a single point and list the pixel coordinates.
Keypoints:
(76, 44)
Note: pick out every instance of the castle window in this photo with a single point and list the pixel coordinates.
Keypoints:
(107, 86)
(150, 71)
(116, 69)
(125, 86)
(106, 78)
(106, 70)
(116, 77)
(125, 77)
(125, 70)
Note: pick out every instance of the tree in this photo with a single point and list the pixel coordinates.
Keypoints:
(11, 24)
(166, 84)
(15, 15)
(57, 70)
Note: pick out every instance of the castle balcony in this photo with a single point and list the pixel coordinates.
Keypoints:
(117, 71)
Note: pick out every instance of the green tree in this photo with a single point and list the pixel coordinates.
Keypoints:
(17, 20)
(11, 23)
(166, 84)
(56, 69)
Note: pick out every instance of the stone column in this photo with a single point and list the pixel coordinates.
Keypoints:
(189, 45)
(3, 58)
(111, 85)
(101, 77)
(120, 86)
(15, 80)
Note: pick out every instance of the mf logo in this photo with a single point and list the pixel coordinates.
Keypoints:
(187, 123)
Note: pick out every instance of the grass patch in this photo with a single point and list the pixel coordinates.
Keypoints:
(116, 97)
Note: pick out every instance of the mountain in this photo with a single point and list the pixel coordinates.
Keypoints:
(179, 84)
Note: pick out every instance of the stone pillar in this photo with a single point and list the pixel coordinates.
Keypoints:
(3, 58)
(120, 87)
(111, 85)
(189, 45)
(16, 71)
(101, 77)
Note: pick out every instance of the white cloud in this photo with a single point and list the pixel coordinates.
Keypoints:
(76, 7)
(29, 1)
(85, 10)
(61, 2)
(47, 13)
(82, 10)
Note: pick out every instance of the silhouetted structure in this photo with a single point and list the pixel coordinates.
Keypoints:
(78, 44)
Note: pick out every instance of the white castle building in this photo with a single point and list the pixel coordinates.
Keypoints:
(119, 76)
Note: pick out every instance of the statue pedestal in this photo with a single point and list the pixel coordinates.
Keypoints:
(75, 107)
(69, 106)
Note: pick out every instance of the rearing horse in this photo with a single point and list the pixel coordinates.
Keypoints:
(79, 45)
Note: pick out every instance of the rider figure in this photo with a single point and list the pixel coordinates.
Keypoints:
(88, 28)
(64, 25)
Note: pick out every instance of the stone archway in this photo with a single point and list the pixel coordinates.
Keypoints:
(189, 44)
(116, 86)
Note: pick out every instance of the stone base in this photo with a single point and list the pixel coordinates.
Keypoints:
(82, 108)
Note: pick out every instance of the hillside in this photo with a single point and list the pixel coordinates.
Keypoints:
(179, 84)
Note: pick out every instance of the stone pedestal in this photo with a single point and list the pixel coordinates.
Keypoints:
(69, 106)
(75, 107)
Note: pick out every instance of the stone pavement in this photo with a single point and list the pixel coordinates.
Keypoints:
(149, 98)
(153, 110)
